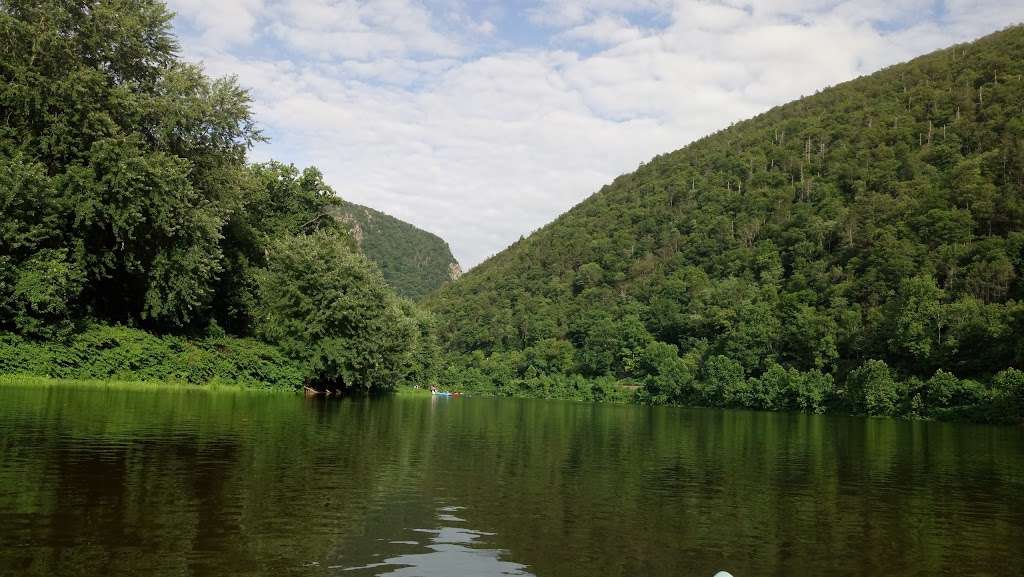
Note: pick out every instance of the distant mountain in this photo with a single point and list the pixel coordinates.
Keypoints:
(878, 224)
(414, 261)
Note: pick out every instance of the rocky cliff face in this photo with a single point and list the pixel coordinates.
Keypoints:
(413, 261)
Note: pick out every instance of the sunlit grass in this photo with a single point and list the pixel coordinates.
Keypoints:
(212, 386)
(408, 391)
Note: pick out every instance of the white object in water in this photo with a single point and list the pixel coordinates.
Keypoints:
(723, 574)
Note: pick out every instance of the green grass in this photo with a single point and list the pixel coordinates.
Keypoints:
(114, 353)
(409, 391)
(16, 380)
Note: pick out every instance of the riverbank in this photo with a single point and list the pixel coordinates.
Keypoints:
(409, 391)
(106, 353)
(140, 385)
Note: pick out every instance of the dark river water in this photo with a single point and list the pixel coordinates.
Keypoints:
(113, 482)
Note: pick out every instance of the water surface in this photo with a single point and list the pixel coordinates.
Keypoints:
(109, 482)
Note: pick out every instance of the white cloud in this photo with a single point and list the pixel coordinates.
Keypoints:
(362, 29)
(568, 13)
(605, 29)
(404, 113)
(223, 22)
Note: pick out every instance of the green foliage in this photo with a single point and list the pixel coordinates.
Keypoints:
(723, 382)
(126, 198)
(668, 378)
(106, 352)
(789, 389)
(41, 288)
(283, 202)
(879, 219)
(424, 365)
(872, 389)
(329, 307)
(1008, 387)
(117, 161)
(414, 262)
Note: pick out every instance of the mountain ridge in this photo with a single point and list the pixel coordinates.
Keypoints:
(878, 215)
(414, 261)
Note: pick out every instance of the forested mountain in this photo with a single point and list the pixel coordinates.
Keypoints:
(414, 261)
(859, 249)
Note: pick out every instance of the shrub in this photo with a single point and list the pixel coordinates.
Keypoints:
(105, 352)
(1008, 392)
(790, 389)
(871, 389)
(724, 383)
(667, 377)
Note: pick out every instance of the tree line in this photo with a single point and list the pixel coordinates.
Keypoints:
(128, 203)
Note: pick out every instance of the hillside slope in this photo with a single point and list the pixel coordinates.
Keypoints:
(850, 249)
(414, 261)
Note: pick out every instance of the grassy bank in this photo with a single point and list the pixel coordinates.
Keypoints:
(410, 391)
(215, 386)
(104, 353)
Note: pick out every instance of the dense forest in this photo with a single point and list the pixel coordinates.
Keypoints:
(414, 262)
(136, 240)
(858, 250)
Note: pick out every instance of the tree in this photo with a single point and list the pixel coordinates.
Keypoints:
(1008, 386)
(329, 306)
(871, 389)
(667, 377)
(919, 319)
(116, 158)
(724, 382)
(282, 201)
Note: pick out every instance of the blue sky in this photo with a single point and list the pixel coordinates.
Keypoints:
(482, 121)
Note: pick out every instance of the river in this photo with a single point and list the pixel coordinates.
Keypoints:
(177, 481)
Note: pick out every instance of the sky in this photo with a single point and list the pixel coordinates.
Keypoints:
(481, 121)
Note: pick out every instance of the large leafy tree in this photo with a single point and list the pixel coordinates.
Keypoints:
(119, 165)
(330, 307)
(282, 201)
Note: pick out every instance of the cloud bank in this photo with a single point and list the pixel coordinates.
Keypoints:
(482, 121)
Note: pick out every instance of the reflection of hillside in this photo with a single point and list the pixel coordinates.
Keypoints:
(654, 490)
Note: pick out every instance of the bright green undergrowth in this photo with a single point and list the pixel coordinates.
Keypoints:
(411, 391)
(114, 353)
(130, 385)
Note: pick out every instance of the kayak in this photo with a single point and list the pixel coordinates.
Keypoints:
(445, 394)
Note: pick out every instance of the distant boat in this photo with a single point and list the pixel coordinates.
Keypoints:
(446, 394)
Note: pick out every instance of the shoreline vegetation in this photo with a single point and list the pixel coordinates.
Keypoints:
(15, 380)
(857, 251)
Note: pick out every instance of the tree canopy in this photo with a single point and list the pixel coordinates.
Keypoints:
(127, 199)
